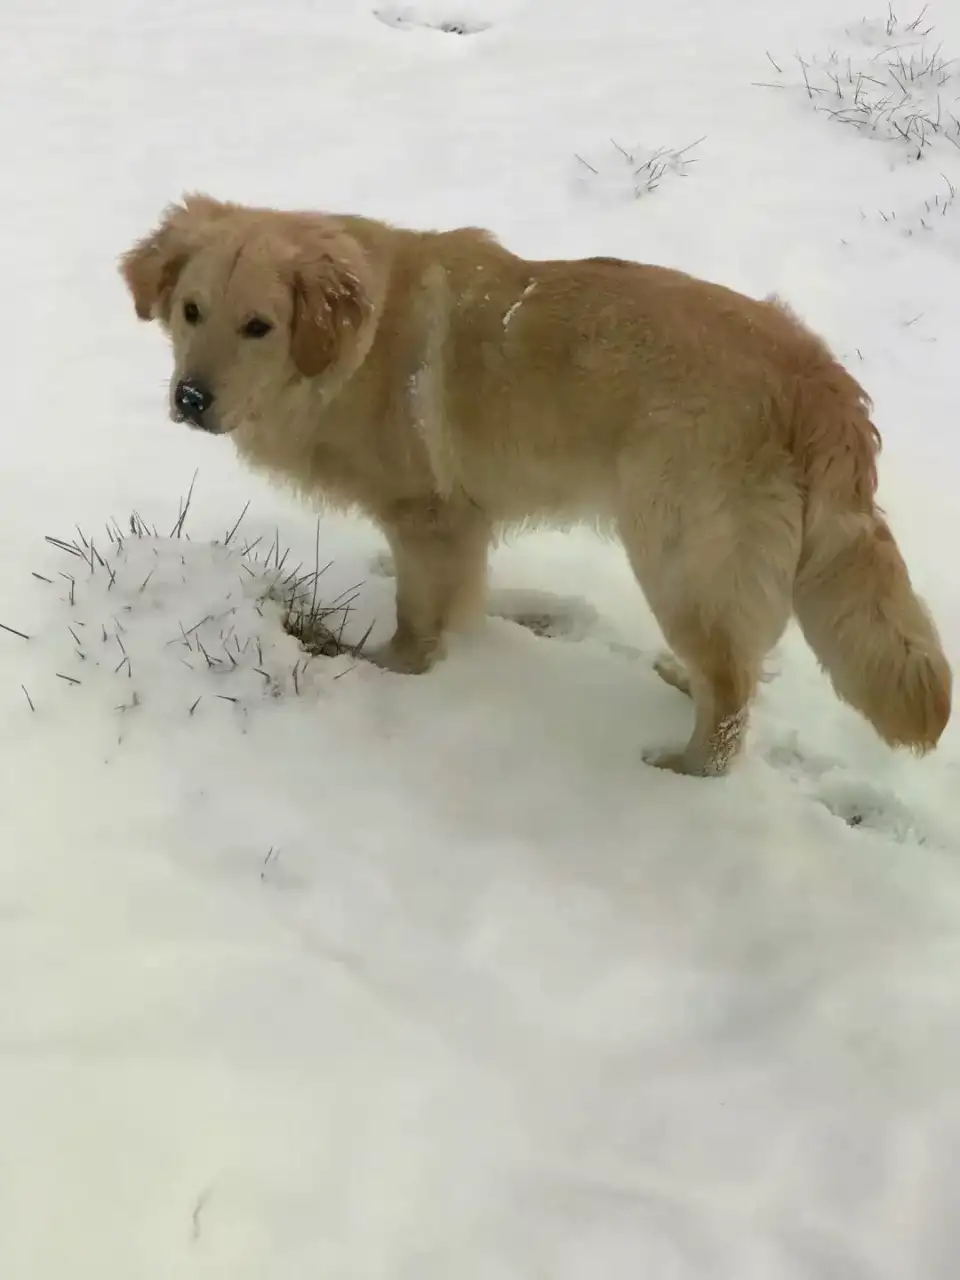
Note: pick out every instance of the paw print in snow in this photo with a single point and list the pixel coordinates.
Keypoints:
(455, 17)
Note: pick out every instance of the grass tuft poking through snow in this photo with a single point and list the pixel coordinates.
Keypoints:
(237, 621)
(895, 84)
(939, 212)
(620, 172)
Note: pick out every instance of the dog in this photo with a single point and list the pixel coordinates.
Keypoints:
(450, 389)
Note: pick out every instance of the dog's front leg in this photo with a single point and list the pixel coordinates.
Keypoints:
(440, 560)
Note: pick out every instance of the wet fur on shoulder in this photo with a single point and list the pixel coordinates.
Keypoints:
(448, 389)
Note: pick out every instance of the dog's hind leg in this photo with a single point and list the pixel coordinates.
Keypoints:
(721, 589)
(721, 681)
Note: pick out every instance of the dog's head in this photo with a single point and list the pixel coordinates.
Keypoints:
(253, 301)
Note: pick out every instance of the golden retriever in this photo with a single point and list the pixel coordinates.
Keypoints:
(450, 389)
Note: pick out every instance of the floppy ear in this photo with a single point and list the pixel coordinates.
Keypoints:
(332, 315)
(152, 266)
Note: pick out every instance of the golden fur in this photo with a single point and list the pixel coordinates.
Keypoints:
(448, 389)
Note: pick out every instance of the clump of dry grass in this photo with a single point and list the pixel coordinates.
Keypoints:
(120, 593)
(638, 170)
(897, 86)
(317, 624)
(939, 210)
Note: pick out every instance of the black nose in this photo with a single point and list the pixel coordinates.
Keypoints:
(192, 399)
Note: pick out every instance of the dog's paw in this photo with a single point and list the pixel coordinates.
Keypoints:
(691, 763)
(403, 657)
(671, 762)
(672, 671)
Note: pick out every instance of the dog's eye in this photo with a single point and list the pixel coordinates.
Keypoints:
(191, 313)
(256, 328)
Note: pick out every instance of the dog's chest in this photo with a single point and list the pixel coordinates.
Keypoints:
(345, 458)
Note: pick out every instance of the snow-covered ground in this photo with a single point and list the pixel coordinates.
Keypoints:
(313, 971)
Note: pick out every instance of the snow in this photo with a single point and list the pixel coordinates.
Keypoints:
(368, 977)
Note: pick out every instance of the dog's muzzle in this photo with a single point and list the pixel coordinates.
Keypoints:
(192, 401)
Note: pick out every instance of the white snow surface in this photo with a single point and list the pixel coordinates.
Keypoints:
(347, 975)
